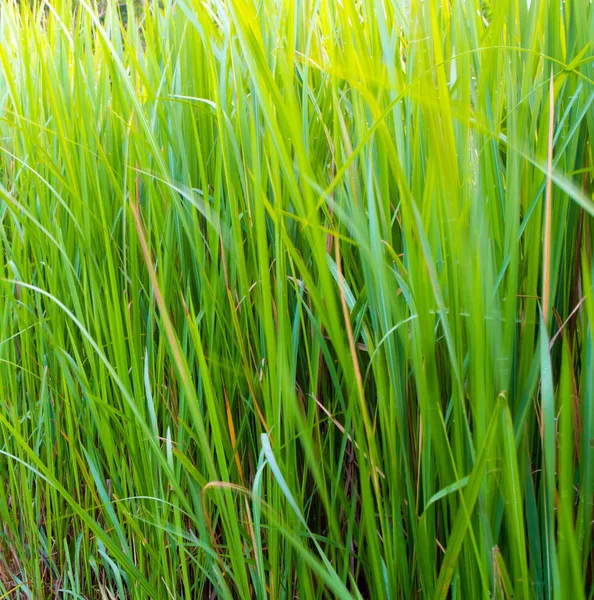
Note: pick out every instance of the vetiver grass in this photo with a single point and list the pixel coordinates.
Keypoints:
(297, 300)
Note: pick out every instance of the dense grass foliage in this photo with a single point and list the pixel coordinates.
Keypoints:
(296, 299)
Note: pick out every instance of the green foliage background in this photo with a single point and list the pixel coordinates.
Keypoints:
(296, 299)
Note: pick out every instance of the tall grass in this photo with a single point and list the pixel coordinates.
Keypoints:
(296, 299)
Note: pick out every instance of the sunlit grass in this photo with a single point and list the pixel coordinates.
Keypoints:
(296, 299)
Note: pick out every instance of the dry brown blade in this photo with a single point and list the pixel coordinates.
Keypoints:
(234, 487)
(342, 430)
(564, 324)
(353, 349)
(232, 435)
(170, 334)
(157, 291)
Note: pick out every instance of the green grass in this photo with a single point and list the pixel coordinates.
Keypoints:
(296, 300)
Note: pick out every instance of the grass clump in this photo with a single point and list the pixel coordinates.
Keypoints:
(296, 299)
